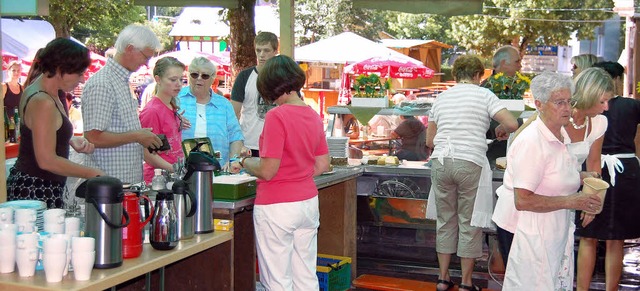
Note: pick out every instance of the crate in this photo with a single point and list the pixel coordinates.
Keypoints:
(334, 272)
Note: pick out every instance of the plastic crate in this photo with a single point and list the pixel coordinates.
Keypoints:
(334, 272)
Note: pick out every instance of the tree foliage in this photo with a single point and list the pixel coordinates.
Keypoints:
(318, 19)
(419, 26)
(527, 22)
(91, 21)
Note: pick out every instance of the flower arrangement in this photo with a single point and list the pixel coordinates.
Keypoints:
(506, 87)
(370, 86)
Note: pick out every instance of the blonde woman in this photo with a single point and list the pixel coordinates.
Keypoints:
(161, 115)
(581, 62)
(12, 90)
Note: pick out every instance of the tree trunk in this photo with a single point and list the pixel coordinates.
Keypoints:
(61, 29)
(242, 35)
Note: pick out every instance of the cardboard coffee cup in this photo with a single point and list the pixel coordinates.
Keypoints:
(595, 186)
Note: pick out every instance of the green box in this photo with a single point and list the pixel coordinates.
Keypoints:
(232, 187)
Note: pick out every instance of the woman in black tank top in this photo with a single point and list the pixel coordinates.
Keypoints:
(11, 97)
(46, 132)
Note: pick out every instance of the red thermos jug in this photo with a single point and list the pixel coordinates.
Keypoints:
(132, 234)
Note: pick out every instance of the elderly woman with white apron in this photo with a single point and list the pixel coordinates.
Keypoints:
(539, 189)
(460, 174)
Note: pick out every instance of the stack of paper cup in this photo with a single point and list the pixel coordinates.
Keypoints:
(66, 237)
(27, 253)
(26, 220)
(54, 258)
(7, 248)
(595, 186)
(83, 256)
(54, 220)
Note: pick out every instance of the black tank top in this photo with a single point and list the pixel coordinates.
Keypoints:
(11, 100)
(27, 163)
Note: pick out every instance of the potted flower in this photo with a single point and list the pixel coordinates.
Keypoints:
(509, 89)
(370, 91)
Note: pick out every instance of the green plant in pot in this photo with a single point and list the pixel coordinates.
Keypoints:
(371, 86)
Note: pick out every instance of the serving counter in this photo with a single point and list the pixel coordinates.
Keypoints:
(180, 268)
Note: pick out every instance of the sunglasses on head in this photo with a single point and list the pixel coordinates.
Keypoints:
(196, 75)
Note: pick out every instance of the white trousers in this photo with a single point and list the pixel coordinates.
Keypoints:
(287, 244)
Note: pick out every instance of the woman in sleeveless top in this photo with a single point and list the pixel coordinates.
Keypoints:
(621, 168)
(42, 166)
(12, 90)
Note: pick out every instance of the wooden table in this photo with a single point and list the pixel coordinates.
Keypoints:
(101, 279)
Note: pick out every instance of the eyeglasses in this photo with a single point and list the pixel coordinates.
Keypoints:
(145, 56)
(561, 102)
(196, 75)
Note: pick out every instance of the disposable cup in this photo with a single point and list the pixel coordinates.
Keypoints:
(8, 226)
(54, 216)
(71, 224)
(6, 215)
(83, 244)
(7, 238)
(24, 215)
(595, 186)
(27, 240)
(26, 260)
(54, 227)
(55, 245)
(26, 227)
(54, 265)
(7, 258)
(82, 264)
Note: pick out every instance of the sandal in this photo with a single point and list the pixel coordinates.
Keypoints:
(470, 288)
(445, 282)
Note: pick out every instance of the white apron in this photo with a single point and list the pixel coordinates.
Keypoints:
(483, 205)
(540, 259)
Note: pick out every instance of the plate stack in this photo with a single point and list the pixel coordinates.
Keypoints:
(337, 146)
(39, 206)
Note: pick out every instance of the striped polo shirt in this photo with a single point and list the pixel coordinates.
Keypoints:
(462, 115)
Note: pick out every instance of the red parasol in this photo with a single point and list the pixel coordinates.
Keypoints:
(7, 57)
(391, 66)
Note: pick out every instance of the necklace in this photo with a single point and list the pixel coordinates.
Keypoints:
(586, 121)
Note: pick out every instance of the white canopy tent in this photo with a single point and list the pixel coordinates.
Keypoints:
(24, 37)
(346, 47)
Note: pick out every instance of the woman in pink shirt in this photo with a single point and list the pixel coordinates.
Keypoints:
(161, 115)
(293, 150)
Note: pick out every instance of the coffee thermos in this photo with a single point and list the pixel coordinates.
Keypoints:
(199, 176)
(104, 217)
(133, 234)
(186, 206)
(164, 225)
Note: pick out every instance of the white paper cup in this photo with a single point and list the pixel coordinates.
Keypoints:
(7, 259)
(9, 226)
(54, 227)
(595, 186)
(21, 216)
(82, 264)
(26, 227)
(27, 240)
(26, 260)
(71, 224)
(54, 216)
(6, 215)
(83, 244)
(55, 245)
(54, 264)
(7, 238)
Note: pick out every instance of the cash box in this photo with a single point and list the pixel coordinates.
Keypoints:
(233, 187)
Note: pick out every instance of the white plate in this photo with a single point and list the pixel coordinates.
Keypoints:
(329, 173)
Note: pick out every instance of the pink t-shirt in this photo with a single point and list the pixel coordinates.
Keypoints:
(162, 120)
(293, 134)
